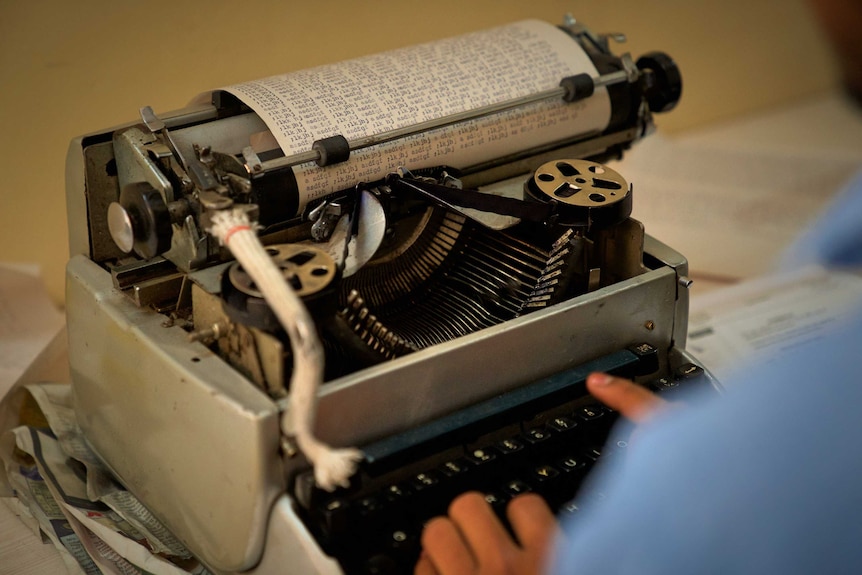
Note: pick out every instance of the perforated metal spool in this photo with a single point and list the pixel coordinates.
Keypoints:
(580, 183)
(308, 270)
(586, 192)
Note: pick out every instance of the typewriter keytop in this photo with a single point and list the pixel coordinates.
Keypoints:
(545, 473)
(536, 435)
(510, 445)
(590, 412)
(562, 424)
(516, 487)
(664, 383)
(397, 492)
(482, 456)
(456, 467)
(335, 518)
(571, 463)
(689, 371)
(424, 480)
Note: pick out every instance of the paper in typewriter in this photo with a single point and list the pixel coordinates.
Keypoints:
(381, 92)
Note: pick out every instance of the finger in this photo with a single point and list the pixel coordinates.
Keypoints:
(532, 521)
(485, 535)
(631, 400)
(424, 566)
(446, 548)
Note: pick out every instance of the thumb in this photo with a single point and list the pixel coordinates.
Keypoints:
(631, 400)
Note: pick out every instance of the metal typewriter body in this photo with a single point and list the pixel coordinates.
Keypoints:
(182, 400)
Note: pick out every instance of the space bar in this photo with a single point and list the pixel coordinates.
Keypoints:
(470, 422)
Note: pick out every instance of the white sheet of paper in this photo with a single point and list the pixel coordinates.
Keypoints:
(381, 92)
(758, 318)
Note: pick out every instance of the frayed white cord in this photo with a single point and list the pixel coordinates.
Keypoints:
(332, 467)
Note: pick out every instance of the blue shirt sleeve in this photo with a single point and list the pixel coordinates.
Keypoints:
(765, 479)
(835, 239)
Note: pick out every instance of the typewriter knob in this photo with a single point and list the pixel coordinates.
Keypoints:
(664, 86)
(140, 221)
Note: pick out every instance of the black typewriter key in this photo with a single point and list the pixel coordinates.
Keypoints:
(483, 456)
(538, 439)
(368, 506)
(571, 464)
(562, 424)
(590, 412)
(689, 371)
(537, 435)
(397, 493)
(539, 442)
(381, 564)
(544, 474)
(516, 487)
(335, 518)
(510, 445)
(596, 423)
(456, 468)
(497, 501)
(402, 544)
(424, 480)
(456, 476)
(692, 376)
(431, 495)
(663, 384)
(370, 510)
(551, 484)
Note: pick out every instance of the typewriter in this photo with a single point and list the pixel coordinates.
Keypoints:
(444, 216)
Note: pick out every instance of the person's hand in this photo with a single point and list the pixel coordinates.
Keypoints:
(472, 540)
(632, 401)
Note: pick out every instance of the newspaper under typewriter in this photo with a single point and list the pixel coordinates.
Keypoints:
(441, 216)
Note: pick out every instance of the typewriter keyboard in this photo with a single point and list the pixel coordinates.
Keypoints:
(544, 438)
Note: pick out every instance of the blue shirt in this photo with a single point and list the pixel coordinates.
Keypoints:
(765, 479)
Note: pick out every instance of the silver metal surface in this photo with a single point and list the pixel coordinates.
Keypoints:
(134, 164)
(120, 226)
(150, 403)
(161, 290)
(429, 383)
(151, 121)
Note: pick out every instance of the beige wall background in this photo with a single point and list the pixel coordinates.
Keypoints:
(68, 68)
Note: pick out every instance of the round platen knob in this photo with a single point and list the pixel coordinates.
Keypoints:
(140, 221)
(665, 87)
